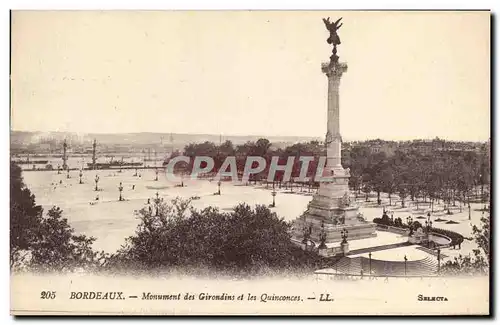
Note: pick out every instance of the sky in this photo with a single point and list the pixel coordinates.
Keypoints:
(410, 74)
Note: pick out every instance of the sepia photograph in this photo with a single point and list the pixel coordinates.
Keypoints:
(250, 162)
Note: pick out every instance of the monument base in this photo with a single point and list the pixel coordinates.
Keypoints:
(329, 223)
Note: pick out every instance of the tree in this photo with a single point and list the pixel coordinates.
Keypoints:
(482, 236)
(25, 215)
(261, 147)
(44, 243)
(378, 174)
(246, 240)
(367, 189)
(57, 248)
(416, 225)
(481, 259)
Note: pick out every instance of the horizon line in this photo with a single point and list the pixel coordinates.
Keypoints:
(258, 135)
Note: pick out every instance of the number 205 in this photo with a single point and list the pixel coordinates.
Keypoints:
(47, 295)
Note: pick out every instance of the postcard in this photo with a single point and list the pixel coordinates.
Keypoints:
(250, 163)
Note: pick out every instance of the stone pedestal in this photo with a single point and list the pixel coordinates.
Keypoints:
(331, 209)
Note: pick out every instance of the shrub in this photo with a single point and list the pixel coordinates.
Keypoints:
(244, 241)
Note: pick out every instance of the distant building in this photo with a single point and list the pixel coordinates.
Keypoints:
(375, 146)
(388, 148)
(44, 147)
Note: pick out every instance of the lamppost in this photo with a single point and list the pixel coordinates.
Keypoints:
(469, 212)
(96, 181)
(439, 259)
(120, 188)
(157, 203)
(307, 233)
(345, 234)
(80, 174)
(360, 182)
(406, 259)
(428, 227)
(370, 262)
(273, 193)
(218, 185)
(156, 173)
(322, 236)
(410, 224)
(482, 186)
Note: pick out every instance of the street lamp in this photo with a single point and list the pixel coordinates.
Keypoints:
(345, 234)
(307, 233)
(273, 193)
(428, 227)
(410, 224)
(96, 181)
(428, 222)
(439, 259)
(370, 262)
(482, 186)
(322, 236)
(120, 188)
(406, 259)
(80, 174)
(157, 203)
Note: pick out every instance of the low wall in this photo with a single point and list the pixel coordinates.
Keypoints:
(396, 230)
(440, 239)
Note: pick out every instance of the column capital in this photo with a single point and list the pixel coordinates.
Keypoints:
(334, 70)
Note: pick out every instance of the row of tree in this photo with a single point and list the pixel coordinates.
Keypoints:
(450, 176)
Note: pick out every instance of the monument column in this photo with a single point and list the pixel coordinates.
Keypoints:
(333, 140)
(330, 213)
